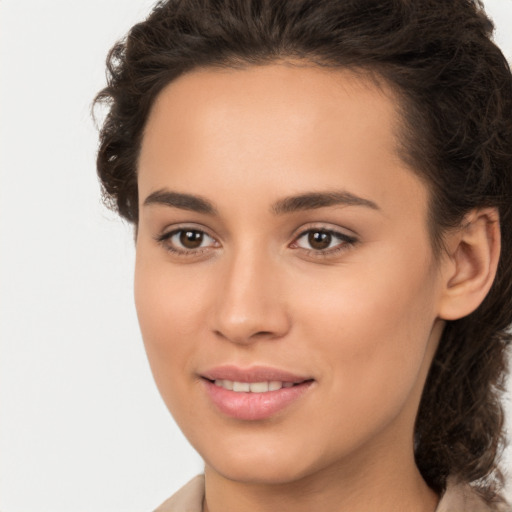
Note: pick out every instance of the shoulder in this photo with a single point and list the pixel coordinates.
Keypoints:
(460, 497)
(188, 499)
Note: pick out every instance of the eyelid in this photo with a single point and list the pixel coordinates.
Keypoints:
(327, 227)
(167, 233)
(347, 241)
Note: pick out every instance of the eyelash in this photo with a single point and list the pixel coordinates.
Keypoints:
(345, 242)
(165, 240)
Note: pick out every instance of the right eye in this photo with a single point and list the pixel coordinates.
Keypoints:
(187, 241)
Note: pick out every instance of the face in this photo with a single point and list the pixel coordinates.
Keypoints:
(285, 284)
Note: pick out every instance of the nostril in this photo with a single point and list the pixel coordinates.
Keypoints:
(262, 334)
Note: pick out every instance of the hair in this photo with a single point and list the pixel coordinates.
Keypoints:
(455, 103)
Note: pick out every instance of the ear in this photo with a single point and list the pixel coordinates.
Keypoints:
(470, 263)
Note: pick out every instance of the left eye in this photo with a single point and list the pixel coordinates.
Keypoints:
(322, 239)
(188, 239)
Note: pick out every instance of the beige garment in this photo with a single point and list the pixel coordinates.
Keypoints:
(188, 499)
(457, 498)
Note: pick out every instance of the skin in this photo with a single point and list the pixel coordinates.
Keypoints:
(362, 318)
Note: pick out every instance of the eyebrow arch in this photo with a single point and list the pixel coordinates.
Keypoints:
(182, 201)
(313, 200)
(306, 201)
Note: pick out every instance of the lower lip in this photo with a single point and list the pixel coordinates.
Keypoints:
(254, 406)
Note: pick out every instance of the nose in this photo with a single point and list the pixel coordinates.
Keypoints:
(250, 305)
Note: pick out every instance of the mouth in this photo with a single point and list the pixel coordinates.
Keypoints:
(254, 394)
(253, 387)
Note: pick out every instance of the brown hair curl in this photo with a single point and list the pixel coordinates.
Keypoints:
(455, 88)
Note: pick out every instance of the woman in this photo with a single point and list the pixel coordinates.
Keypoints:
(322, 198)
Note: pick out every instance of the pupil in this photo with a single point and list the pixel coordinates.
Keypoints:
(319, 239)
(191, 239)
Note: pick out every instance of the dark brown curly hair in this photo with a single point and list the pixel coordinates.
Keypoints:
(455, 90)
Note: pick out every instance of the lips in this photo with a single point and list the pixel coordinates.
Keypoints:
(252, 387)
(254, 393)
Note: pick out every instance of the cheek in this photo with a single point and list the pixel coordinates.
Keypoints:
(373, 331)
(169, 308)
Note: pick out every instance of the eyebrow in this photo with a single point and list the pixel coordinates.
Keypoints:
(182, 201)
(314, 200)
(306, 201)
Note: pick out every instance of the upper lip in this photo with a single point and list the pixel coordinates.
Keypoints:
(252, 374)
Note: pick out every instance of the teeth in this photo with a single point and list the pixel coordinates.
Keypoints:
(252, 387)
(259, 387)
(241, 386)
(226, 384)
(275, 385)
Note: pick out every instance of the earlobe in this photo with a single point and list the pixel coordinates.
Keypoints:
(470, 265)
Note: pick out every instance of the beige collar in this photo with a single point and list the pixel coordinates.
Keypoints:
(457, 498)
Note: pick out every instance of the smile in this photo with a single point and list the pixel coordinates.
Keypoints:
(252, 387)
(255, 393)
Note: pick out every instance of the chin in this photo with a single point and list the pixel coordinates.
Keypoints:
(283, 465)
(262, 474)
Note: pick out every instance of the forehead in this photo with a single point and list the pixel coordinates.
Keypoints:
(285, 127)
(280, 102)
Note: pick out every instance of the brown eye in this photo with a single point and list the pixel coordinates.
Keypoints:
(323, 241)
(187, 241)
(319, 240)
(191, 239)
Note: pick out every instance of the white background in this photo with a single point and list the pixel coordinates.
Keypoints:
(82, 427)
